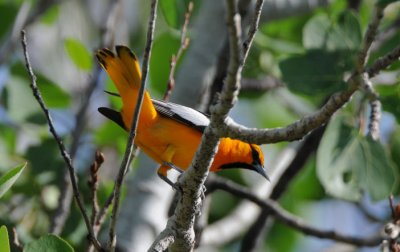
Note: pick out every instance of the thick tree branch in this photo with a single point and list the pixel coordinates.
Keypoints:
(60, 144)
(132, 133)
(294, 131)
(192, 181)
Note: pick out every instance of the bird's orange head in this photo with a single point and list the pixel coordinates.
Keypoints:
(238, 154)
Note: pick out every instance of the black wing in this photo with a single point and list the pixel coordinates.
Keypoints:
(113, 115)
(182, 114)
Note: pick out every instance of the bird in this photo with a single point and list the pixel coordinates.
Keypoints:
(167, 132)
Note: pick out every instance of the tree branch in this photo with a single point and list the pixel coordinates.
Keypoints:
(64, 153)
(63, 209)
(308, 147)
(300, 128)
(175, 58)
(384, 62)
(294, 131)
(292, 220)
(253, 29)
(180, 225)
(369, 37)
(132, 133)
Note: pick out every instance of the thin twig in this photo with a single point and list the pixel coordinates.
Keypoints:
(132, 133)
(253, 29)
(15, 239)
(290, 219)
(174, 59)
(94, 184)
(392, 206)
(369, 37)
(64, 153)
(63, 209)
(104, 209)
(383, 62)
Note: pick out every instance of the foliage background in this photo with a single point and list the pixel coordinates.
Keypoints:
(308, 54)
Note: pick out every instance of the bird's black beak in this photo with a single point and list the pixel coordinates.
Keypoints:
(260, 169)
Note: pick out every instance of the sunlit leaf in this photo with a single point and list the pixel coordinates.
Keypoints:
(164, 47)
(343, 34)
(78, 53)
(51, 15)
(20, 101)
(170, 12)
(8, 179)
(48, 243)
(349, 164)
(4, 241)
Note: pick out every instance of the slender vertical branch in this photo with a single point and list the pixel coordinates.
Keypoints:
(179, 233)
(63, 209)
(64, 153)
(369, 37)
(132, 133)
(175, 58)
(253, 29)
(15, 239)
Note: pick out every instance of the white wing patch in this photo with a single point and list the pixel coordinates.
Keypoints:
(182, 114)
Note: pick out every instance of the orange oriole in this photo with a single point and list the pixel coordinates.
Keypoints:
(169, 133)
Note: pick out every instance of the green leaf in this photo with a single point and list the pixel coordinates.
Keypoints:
(317, 72)
(49, 164)
(169, 9)
(110, 134)
(164, 47)
(48, 243)
(315, 32)
(349, 164)
(78, 53)
(348, 31)
(8, 179)
(321, 33)
(51, 15)
(389, 97)
(395, 146)
(4, 241)
(8, 12)
(53, 95)
(20, 102)
(278, 45)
